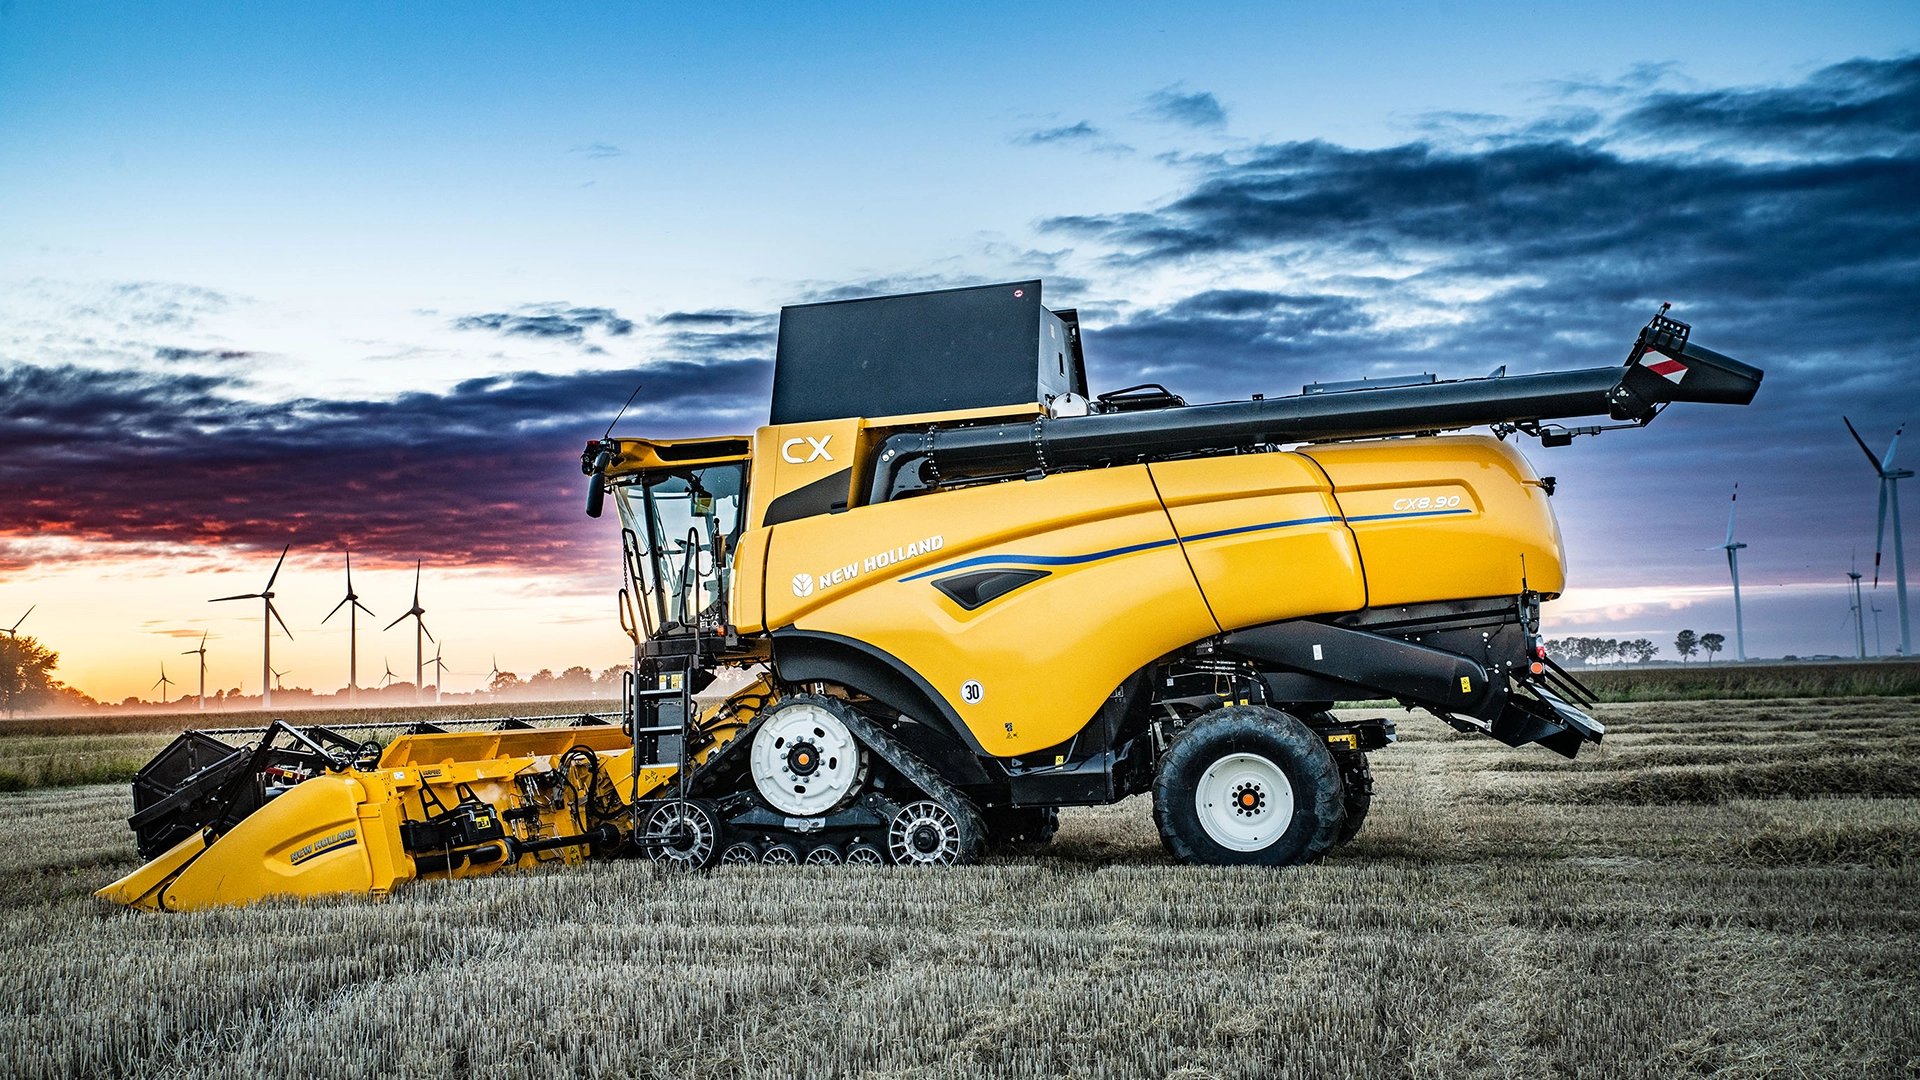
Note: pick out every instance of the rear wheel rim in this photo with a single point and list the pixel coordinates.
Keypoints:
(1244, 802)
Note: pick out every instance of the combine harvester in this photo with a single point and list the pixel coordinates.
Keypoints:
(962, 593)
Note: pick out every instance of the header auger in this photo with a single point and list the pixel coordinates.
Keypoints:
(956, 592)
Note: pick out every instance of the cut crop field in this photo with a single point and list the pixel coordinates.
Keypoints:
(1731, 889)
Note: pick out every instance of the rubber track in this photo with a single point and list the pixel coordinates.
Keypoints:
(973, 830)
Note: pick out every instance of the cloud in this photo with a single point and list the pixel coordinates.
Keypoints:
(549, 322)
(486, 473)
(1084, 131)
(597, 150)
(167, 352)
(1175, 105)
(1781, 221)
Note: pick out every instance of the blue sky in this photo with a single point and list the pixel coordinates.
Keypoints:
(336, 235)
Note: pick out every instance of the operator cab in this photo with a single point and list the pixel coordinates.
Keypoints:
(682, 509)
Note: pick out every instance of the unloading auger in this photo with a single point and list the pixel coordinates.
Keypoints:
(955, 593)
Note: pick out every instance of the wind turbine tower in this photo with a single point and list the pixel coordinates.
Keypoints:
(1732, 548)
(1890, 478)
(352, 603)
(201, 652)
(440, 672)
(267, 620)
(1859, 616)
(419, 628)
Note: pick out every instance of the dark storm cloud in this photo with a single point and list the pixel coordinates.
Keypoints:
(552, 322)
(1863, 106)
(1197, 109)
(1782, 222)
(485, 473)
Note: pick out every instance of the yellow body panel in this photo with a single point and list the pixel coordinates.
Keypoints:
(1445, 518)
(789, 457)
(1263, 535)
(1118, 594)
(141, 888)
(307, 842)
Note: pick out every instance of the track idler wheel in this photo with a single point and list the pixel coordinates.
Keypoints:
(692, 835)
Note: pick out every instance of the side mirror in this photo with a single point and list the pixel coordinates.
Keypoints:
(597, 484)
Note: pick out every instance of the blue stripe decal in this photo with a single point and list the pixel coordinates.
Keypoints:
(1040, 560)
(1075, 560)
(1257, 528)
(1412, 514)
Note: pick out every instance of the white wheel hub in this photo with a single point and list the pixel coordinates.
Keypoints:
(1244, 802)
(805, 761)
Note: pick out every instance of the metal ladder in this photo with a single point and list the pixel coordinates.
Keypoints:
(638, 713)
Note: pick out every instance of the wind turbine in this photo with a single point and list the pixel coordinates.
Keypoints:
(1890, 478)
(388, 677)
(419, 627)
(440, 672)
(14, 630)
(495, 673)
(267, 620)
(201, 652)
(1732, 548)
(352, 603)
(1859, 616)
(162, 682)
(276, 677)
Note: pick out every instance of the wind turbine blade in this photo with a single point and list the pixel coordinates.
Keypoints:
(1863, 444)
(1880, 534)
(397, 621)
(424, 630)
(349, 569)
(416, 583)
(16, 624)
(242, 596)
(335, 611)
(1886, 463)
(275, 612)
(1731, 503)
(276, 568)
(363, 607)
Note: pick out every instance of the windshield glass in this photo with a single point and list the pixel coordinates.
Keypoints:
(685, 524)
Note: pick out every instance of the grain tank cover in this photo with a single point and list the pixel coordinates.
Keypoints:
(976, 348)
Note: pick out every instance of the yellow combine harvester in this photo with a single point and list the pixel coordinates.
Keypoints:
(962, 593)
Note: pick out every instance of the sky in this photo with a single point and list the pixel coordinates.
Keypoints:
(371, 274)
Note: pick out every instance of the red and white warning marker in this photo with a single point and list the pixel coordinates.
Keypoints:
(1661, 364)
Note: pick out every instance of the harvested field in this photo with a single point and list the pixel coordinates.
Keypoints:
(1490, 921)
(1704, 682)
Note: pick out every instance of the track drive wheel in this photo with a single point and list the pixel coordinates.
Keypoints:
(696, 832)
(1249, 786)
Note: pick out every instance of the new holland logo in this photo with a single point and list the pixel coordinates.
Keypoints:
(343, 838)
(805, 584)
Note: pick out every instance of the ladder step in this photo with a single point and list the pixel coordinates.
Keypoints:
(658, 695)
(666, 729)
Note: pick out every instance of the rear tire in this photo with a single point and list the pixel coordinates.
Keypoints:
(1248, 786)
